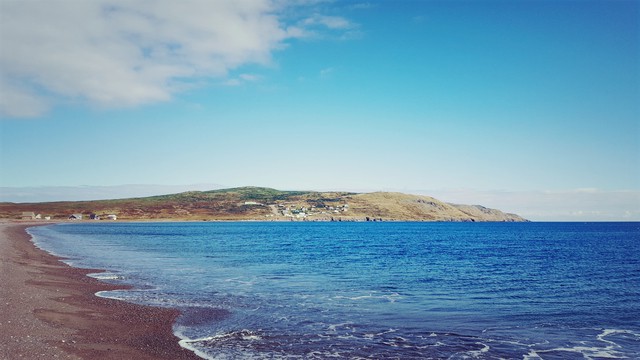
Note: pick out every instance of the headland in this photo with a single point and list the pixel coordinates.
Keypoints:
(261, 204)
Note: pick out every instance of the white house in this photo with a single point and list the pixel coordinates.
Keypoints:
(112, 217)
(75, 217)
(28, 215)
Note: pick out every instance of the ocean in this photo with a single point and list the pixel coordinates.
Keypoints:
(301, 290)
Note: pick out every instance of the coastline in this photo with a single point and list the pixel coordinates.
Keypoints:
(50, 310)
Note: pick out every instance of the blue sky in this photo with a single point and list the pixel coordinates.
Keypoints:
(499, 102)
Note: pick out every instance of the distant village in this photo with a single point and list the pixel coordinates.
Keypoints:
(29, 215)
(291, 211)
(303, 212)
(263, 204)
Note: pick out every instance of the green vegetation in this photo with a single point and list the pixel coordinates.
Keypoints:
(258, 203)
(258, 193)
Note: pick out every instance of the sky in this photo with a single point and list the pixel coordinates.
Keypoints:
(529, 106)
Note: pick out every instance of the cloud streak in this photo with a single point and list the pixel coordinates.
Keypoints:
(127, 53)
(331, 22)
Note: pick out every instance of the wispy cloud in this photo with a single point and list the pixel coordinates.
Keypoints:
(331, 22)
(125, 53)
(250, 77)
(243, 79)
(362, 6)
(328, 26)
(326, 72)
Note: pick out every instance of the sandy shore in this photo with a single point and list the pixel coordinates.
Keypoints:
(48, 310)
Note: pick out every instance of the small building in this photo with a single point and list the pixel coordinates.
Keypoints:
(28, 215)
(112, 217)
(75, 217)
(94, 217)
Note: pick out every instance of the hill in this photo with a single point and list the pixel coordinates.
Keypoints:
(257, 203)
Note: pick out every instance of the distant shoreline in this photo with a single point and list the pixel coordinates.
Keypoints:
(262, 204)
(50, 309)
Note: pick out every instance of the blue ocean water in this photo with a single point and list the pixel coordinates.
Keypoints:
(376, 290)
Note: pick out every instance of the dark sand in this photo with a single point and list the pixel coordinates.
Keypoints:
(48, 310)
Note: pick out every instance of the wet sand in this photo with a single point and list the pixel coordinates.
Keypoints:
(48, 310)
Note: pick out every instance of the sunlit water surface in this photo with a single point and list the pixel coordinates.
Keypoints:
(376, 290)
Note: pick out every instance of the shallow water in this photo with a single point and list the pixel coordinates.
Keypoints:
(376, 290)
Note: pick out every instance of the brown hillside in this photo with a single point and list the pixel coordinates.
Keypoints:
(254, 203)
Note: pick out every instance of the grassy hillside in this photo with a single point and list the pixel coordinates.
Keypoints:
(410, 207)
(256, 203)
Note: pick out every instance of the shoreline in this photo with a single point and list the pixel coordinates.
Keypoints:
(49, 310)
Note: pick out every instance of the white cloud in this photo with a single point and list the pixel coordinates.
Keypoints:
(242, 79)
(327, 26)
(250, 77)
(19, 102)
(233, 82)
(331, 22)
(125, 53)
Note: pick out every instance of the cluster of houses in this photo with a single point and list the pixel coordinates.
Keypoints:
(93, 217)
(29, 215)
(304, 212)
(297, 211)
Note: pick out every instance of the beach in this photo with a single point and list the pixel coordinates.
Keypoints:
(49, 310)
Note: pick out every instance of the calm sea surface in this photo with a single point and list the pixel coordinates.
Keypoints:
(376, 290)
